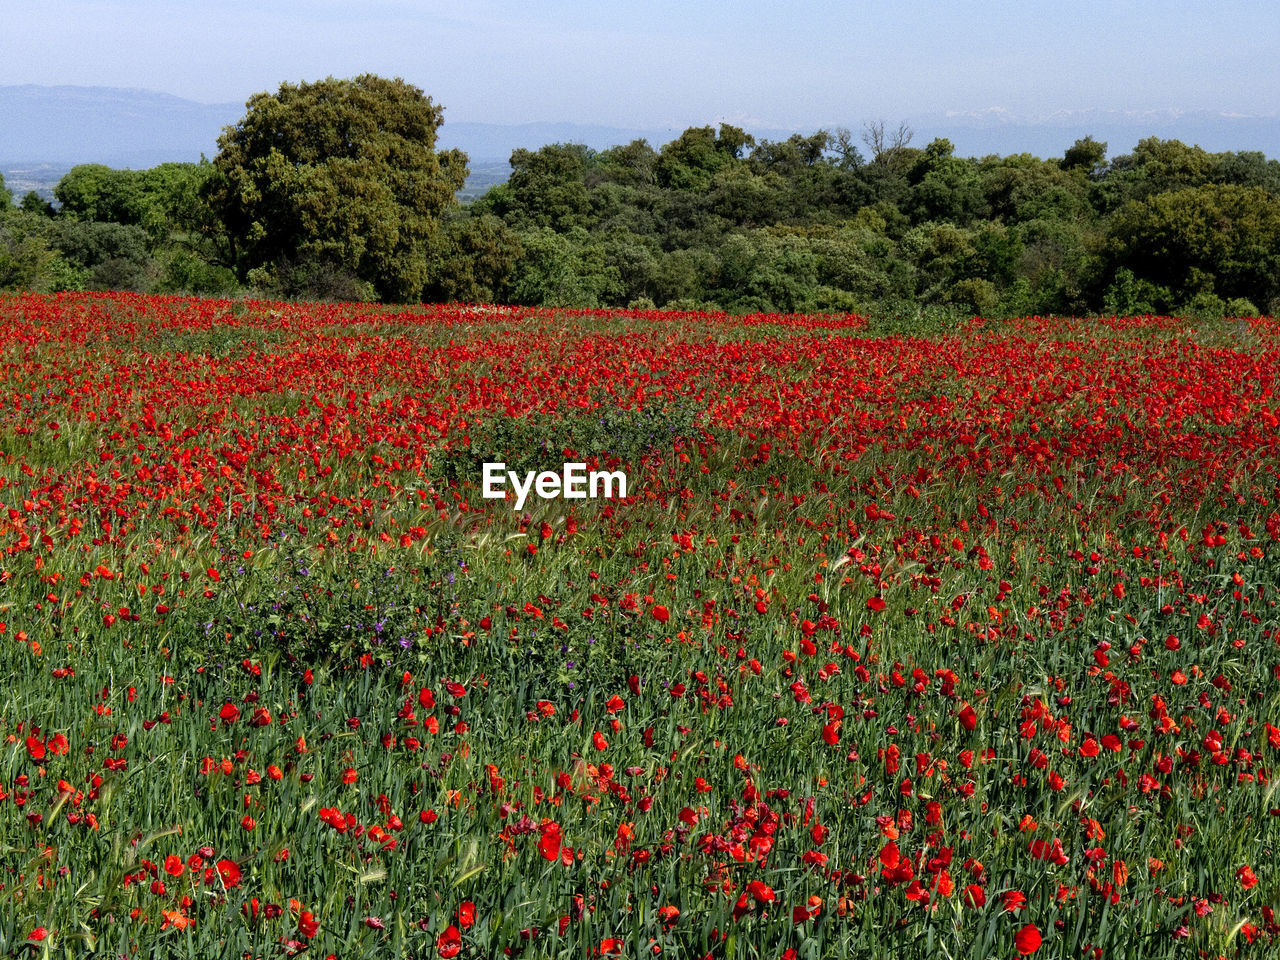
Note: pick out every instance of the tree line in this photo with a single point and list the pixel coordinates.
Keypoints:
(335, 190)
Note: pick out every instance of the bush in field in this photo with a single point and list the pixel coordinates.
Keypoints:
(114, 254)
(311, 278)
(311, 611)
(30, 259)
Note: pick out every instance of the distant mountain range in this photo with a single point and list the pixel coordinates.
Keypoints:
(46, 130)
(124, 128)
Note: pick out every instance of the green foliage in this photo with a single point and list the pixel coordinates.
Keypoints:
(691, 160)
(977, 294)
(32, 202)
(1247, 169)
(746, 196)
(114, 254)
(1130, 295)
(1056, 265)
(162, 206)
(1021, 187)
(94, 192)
(29, 260)
(1240, 307)
(183, 272)
(172, 207)
(340, 172)
(1214, 238)
(805, 224)
(476, 255)
(632, 165)
(945, 187)
(548, 187)
(762, 272)
(1087, 155)
(314, 277)
(566, 270)
(333, 191)
(1204, 307)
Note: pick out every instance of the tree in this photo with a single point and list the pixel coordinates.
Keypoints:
(1021, 187)
(340, 172)
(92, 191)
(692, 159)
(944, 186)
(1221, 239)
(563, 270)
(631, 165)
(548, 187)
(114, 254)
(475, 260)
(28, 260)
(1155, 166)
(171, 204)
(32, 202)
(1087, 155)
(885, 144)
(849, 157)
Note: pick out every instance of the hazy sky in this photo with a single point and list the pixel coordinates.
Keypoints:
(785, 63)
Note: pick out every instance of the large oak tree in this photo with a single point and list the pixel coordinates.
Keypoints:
(340, 173)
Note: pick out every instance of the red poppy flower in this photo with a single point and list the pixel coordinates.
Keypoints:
(449, 943)
(308, 925)
(549, 845)
(1013, 900)
(1027, 940)
(890, 856)
(229, 872)
(466, 914)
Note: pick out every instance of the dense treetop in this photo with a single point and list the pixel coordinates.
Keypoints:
(341, 172)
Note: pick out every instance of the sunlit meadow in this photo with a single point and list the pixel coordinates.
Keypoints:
(900, 646)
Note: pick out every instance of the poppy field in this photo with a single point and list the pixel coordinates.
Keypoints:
(959, 645)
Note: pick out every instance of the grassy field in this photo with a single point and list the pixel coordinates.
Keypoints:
(957, 646)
